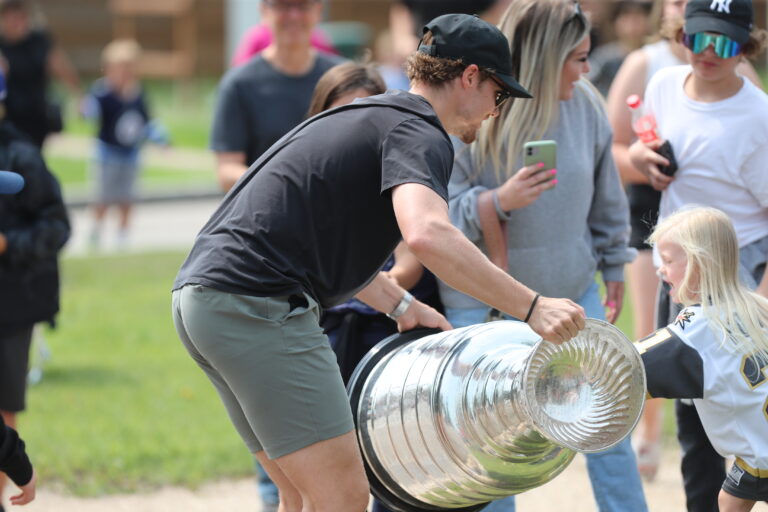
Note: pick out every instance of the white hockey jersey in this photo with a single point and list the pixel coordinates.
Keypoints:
(687, 359)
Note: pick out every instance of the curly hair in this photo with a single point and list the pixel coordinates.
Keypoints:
(437, 71)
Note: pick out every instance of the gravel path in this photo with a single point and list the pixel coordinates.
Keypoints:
(569, 492)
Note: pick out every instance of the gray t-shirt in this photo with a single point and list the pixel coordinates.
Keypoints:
(314, 214)
(257, 104)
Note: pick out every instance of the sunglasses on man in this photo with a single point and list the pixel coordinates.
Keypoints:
(503, 95)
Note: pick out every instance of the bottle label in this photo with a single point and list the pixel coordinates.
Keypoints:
(645, 128)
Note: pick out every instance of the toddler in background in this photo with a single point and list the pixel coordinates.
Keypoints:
(716, 350)
(117, 103)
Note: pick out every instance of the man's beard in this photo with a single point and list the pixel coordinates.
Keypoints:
(467, 135)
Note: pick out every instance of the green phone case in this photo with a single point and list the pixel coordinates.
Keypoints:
(540, 151)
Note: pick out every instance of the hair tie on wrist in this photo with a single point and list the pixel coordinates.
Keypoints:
(533, 305)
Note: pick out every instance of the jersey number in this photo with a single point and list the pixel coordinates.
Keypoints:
(753, 370)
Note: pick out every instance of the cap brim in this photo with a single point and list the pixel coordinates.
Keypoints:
(517, 90)
(717, 25)
(10, 182)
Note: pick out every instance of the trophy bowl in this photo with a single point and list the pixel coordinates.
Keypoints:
(453, 420)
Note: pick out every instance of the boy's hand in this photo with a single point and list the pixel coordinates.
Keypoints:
(647, 160)
(27, 492)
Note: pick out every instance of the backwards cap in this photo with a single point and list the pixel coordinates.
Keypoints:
(474, 41)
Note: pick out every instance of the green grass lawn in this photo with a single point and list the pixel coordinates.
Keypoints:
(73, 173)
(121, 406)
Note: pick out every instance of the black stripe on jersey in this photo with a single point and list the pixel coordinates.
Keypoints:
(672, 368)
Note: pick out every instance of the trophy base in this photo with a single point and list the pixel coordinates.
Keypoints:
(354, 389)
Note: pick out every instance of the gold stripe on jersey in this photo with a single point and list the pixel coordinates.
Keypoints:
(647, 343)
(759, 473)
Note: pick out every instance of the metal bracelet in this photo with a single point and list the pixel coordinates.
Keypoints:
(401, 307)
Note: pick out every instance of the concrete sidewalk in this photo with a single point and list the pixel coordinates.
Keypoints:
(164, 225)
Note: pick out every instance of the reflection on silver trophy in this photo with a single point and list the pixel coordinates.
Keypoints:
(455, 419)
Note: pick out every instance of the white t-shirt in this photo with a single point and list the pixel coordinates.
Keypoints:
(687, 359)
(721, 149)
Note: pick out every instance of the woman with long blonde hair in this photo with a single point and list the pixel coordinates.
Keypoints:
(716, 351)
(552, 229)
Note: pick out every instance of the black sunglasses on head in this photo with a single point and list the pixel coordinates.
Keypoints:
(578, 14)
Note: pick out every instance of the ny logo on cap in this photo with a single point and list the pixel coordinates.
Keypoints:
(721, 6)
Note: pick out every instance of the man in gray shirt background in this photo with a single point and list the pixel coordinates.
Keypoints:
(266, 97)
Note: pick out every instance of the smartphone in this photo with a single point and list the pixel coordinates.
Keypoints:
(666, 151)
(544, 151)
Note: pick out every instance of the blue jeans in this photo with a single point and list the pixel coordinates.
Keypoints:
(267, 488)
(613, 473)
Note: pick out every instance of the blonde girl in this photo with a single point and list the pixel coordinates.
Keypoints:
(716, 350)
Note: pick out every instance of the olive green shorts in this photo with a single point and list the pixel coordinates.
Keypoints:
(271, 364)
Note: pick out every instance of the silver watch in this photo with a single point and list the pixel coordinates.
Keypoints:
(401, 307)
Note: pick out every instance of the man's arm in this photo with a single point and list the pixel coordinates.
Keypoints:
(229, 168)
(407, 270)
(423, 219)
(384, 294)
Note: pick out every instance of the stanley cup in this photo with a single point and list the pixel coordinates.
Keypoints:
(452, 420)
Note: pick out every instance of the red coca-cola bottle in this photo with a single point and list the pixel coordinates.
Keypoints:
(643, 122)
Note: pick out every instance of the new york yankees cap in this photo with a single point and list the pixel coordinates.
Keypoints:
(474, 41)
(730, 17)
(10, 182)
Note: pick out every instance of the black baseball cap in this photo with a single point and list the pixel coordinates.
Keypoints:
(10, 182)
(732, 18)
(474, 41)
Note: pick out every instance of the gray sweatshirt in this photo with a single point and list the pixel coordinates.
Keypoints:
(558, 243)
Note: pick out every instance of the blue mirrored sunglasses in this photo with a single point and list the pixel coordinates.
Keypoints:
(724, 46)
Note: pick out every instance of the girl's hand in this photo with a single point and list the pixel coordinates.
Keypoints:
(647, 161)
(525, 186)
(614, 299)
(27, 493)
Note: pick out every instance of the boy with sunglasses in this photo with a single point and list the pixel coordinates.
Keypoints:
(715, 121)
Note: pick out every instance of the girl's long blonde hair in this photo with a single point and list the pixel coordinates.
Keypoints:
(709, 242)
(541, 34)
